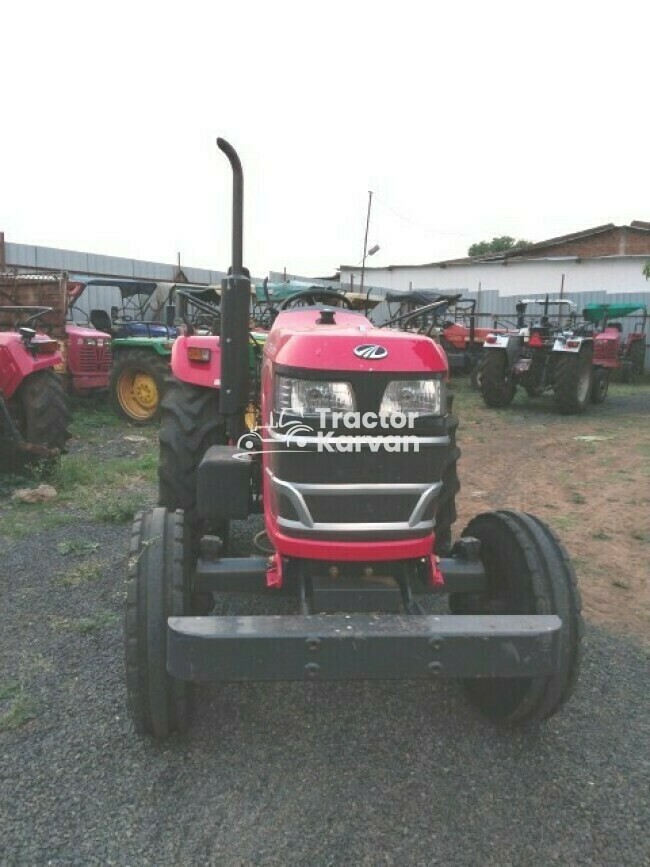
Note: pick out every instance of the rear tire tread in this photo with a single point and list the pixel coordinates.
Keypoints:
(566, 381)
(496, 390)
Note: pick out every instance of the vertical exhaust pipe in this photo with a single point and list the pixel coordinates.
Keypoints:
(235, 307)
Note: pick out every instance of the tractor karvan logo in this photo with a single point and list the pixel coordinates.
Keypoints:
(371, 351)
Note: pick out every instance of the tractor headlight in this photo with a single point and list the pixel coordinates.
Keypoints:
(422, 396)
(307, 396)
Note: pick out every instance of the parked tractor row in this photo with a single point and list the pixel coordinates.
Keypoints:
(573, 359)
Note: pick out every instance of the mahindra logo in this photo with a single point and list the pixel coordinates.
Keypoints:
(370, 351)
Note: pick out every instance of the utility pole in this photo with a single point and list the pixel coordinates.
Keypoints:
(365, 240)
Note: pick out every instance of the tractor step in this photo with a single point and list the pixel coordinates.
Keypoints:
(361, 647)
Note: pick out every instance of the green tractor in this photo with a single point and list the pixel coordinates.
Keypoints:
(143, 326)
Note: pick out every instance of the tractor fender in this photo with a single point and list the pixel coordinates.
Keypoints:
(510, 343)
(205, 372)
(17, 362)
(570, 344)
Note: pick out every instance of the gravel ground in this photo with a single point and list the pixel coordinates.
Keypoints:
(284, 774)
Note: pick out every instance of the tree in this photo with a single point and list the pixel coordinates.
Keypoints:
(498, 245)
(646, 271)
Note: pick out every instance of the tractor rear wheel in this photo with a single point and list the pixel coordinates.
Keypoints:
(497, 383)
(156, 590)
(137, 384)
(41, 410)
(446, 508)
(475, 376)
(634, 364)
(528, 572)
(190, 425)
(600, 385)
(572, 380)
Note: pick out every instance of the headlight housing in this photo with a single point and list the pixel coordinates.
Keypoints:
(308, 396)
(421, 396)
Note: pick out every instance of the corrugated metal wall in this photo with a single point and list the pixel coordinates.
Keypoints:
(26, 257)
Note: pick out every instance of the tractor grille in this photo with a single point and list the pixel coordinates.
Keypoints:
(95, 359)
(371, 509)
(605, 350)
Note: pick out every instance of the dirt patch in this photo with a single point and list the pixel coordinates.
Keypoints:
(588, 476)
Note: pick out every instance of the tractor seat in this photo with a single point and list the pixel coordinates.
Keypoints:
(101, 321)
(616, 325)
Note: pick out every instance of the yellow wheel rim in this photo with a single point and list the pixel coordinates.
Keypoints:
(138, 394)
(250, 418)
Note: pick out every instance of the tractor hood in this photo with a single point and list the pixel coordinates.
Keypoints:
(84, 332)
(302, 339)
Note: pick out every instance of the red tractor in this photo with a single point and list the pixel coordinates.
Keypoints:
(611, 351)
(354, 470)
(449, 319)
(34, 414)
(85, 361)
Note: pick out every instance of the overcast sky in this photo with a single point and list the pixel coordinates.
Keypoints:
(467, 120)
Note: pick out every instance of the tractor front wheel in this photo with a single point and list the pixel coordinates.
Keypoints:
(573, 380)
(156, 590)
(496, 380)
(528, 572)
(137, 384)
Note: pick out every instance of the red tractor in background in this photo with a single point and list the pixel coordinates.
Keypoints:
(449, 319)
(34, 413)
(85, 362)
(357, 531)
(611, 351)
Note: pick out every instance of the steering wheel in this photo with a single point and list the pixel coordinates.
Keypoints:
(308, 298)
(38, 314)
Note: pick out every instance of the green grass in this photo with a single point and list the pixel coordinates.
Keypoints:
(84, 625)
(563, 522)
(79, 470)
(91, 415)
(110, 491)
(8, 690)
(20, 519)
(76, 546)
(640, 535)
(81, 574)
(19, 710)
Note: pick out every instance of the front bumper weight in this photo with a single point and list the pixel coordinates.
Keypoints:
(361, 647)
